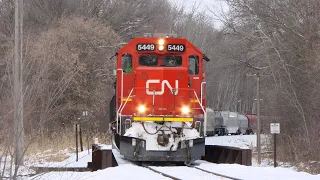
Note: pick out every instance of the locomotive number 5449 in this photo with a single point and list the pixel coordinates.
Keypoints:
(176, 47)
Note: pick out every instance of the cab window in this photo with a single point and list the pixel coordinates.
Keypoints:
(126, 60)
(172, 61)
(148, 60)
(193, 65)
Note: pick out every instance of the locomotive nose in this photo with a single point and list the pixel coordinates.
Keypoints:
(162, 90)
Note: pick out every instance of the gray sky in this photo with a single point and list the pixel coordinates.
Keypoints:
(218, 6)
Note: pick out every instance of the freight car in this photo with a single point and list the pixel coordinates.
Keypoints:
(210, 122)
(160, 100)
(226, 122)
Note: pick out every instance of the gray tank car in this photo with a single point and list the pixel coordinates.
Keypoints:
(226, 122)
(243, 124)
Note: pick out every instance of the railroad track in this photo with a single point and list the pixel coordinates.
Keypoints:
(217, 174)
(185, 168)
(162, 173)
(189, 172)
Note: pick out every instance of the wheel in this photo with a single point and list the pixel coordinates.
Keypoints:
(238, 132)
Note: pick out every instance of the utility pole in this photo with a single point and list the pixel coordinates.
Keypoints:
(258, 109)
(258, 118)
(18, 84)
(258, 113)
(248, 95)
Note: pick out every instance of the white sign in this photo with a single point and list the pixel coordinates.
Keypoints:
(275, 128)
(164, 82)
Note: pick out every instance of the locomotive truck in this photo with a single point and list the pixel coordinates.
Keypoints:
(160, 100)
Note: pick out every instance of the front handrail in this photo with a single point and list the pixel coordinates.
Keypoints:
(201, 96)
(123, 108)
(199, 101)
(204, 116)
(121, 99)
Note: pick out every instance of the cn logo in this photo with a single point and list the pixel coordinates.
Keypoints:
(164, 82)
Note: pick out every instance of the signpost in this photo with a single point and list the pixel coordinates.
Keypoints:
(275, 129)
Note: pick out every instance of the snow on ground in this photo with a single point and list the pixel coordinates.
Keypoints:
(22, 171)
(128, 171)
(41, 158)
(186, 173)
(123, 172)
(119, 158)
(241, 141)
(83, 158)
(253, 173)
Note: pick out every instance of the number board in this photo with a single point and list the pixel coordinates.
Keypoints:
(146, 47)
(176, 47)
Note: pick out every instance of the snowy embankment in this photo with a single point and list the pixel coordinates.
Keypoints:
(261, 173)
(7, 168)
(123, 172)
(127, 171)
(241, 141)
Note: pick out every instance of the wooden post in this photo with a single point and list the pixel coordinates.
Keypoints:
(88, 142)
(275, 149)
(258, 119)
(18, 83)
(80, 134)
(77, 141)
(275, 129)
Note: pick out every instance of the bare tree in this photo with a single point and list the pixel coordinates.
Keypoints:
(283, 36)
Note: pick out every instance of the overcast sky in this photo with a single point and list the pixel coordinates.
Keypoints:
(218, 6)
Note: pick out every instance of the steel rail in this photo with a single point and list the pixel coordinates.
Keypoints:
(190, 166)
(159, 172)
(217, 174)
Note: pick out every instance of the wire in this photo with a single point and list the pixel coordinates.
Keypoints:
(149, 132)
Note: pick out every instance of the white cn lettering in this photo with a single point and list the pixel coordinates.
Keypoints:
(164, 82)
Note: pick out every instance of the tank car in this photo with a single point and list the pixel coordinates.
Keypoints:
(219, 127)
(210, 122)
(225, 122)
(160, 100)
(231, 122)
(252, 123)
(243, 124)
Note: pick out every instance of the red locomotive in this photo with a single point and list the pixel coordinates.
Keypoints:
(160, 100)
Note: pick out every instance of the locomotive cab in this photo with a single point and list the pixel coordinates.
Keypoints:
(160, 100)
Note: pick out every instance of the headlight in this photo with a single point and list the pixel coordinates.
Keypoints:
(161, 42)
(141, 109)
(161, 48)
(185, 110)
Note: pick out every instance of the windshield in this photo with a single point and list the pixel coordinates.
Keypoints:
(148, 60)
(172, 61)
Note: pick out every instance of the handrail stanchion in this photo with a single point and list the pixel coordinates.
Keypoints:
(205, 116)
(202, 90)
(121, 100)
(123, 108)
